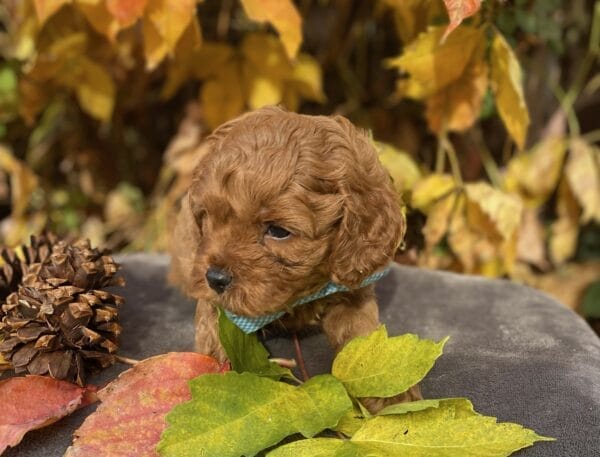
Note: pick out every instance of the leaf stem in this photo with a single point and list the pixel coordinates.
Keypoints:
(453, 159)
(126, 360)
(568, 99)
(491, 168)
(285, 363)
(440, 157)
(592, 137)
(300, 358)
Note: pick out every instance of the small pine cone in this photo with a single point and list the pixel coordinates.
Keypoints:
(14, 267)
(64, 332)
(78, 264)
(59, 322)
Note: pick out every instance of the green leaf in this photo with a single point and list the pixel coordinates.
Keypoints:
(410, 407)
(241, 414)
(378, 366)
(451, 430)
(246, 353)
(350, 422)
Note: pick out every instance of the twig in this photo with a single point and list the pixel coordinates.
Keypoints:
(491, 168)
(126, 360)
(300, 358)
(440, 157)
(453, 159)
(285, 363)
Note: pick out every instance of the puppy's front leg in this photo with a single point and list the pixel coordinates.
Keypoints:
(207, 331)
(354, 314)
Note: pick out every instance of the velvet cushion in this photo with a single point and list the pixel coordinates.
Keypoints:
(516, 353)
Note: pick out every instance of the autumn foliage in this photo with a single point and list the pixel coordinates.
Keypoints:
(480, 110)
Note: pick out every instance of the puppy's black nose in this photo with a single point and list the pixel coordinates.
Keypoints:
(218, 279)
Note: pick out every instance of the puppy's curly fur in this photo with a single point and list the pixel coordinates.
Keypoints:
(318, 178)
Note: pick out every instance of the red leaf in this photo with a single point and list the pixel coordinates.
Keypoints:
(459, 10)
(131, 417)
(33, 402)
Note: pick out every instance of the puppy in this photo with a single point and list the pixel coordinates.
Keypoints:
(279, 206)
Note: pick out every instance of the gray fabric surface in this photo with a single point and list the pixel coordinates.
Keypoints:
(516, 353)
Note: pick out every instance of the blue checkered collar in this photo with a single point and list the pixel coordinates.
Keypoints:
(252, 324)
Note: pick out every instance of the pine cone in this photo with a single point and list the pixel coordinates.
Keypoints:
(59, 322)
(15, 268)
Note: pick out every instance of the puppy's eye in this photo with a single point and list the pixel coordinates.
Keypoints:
(277, 232)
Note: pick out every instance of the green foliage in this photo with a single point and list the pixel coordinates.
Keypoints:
(241, 414)
(246, 353)
(453, 429)
(379, 366)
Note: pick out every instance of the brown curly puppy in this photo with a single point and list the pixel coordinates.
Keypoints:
(281, 204)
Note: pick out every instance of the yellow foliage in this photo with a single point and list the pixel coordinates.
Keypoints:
(221, 96)
(564, 231)
(100, 18)
(282, 14)
(401, 166)
(94, 88)
(262, 74)
(413, 16)
(493, 208)
(433, 187)
(457, 106)
(507, 86)
(583, 174)
(46, 8)
(534, 175)
(433, 65)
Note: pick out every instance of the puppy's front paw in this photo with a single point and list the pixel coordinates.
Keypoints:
(376, 404)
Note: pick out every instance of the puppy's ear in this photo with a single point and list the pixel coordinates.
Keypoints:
(185, 238)
(372, 224)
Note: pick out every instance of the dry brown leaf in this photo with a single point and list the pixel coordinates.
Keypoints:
(531, 246)
(534, 175)
(567, 284)
(438, 220)
(501, 209)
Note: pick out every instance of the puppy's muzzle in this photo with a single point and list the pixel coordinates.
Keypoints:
(218, 279)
